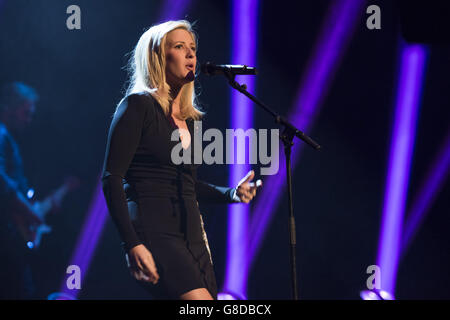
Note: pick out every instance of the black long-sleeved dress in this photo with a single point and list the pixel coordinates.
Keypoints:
(153, 201)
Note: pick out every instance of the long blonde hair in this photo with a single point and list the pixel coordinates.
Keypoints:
(147, 70)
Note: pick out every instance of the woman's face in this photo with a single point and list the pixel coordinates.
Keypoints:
(181, 57)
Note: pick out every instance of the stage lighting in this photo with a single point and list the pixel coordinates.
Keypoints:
(60, 296)
(227, 295)
(376, 295)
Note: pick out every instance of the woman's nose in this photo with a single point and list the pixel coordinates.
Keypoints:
(190, 53)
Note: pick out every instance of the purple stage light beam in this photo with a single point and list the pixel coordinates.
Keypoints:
(437, 175)
(98, 211)
(337, 29)
(244, 34)
(412, 67)
(88, 239)
(173, 9)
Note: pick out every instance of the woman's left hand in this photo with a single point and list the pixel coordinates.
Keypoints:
(246, 189)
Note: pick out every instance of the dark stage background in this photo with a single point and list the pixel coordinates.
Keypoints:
(338, 191)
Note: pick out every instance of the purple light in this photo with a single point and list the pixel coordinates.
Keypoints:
(244, 24)
(376, 295)
(98, 211)
(386, 295)
(174, 9)
(412, 67)
(229, 296)
(369, 295)
(437, 175)
(88, 239)
(225, 296)
(337, 29)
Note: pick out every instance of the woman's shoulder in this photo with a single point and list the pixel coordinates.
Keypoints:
(139, 98)
(141, 102)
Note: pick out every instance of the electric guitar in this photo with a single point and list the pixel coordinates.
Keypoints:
(32, 232)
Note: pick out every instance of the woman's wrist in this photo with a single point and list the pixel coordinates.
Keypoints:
(234, 195)
(128, 246)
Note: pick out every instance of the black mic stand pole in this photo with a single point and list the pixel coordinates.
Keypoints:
(289, 132)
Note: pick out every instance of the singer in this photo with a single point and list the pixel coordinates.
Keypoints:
(152, 201)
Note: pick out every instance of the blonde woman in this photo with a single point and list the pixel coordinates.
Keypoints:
(152, 201)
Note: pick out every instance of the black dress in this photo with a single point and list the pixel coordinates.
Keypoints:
(154, 202)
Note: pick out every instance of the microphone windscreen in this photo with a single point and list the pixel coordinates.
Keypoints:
(206, 68)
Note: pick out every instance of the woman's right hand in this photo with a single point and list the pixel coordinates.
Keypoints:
(141, 264)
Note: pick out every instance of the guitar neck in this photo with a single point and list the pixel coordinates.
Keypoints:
(46, 205)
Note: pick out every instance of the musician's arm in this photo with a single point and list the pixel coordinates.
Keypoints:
(8, 188)
(10, 194)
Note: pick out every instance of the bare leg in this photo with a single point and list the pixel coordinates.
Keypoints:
(197, 294)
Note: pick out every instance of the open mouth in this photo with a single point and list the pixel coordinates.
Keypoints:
(190, 67)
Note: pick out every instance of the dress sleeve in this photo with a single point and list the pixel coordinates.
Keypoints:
(123, 140)
(210, 193)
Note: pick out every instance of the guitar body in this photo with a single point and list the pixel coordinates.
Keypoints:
(32, 233)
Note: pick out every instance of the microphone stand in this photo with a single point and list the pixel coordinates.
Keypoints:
(289, 132)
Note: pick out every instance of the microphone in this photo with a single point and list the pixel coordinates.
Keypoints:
(211, 69)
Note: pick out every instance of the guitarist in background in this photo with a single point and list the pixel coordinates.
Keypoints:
(20, 219)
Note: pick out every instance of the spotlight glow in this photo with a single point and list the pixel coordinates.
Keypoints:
(412, 65)
(244, 33)
(338, 28)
